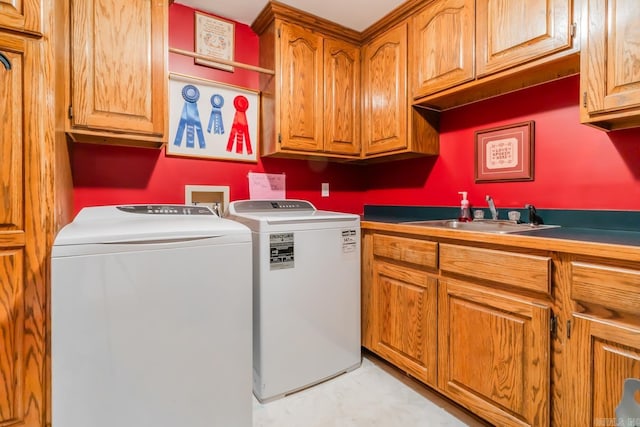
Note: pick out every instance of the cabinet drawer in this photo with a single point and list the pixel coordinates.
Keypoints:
(523, 271)
(414, 251)
(612, 287)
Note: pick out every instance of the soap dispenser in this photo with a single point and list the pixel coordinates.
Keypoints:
(465, 211)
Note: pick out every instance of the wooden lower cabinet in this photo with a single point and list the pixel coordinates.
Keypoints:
(605, 338)
(605, 354)
(399, 302)
(494, 353)
(405, 303)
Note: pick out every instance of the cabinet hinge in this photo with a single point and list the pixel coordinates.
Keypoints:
(278, 32)
(573, 29)
(584, 99)
(568, 328)
(553, 325)
(279, 138)
(70, 112)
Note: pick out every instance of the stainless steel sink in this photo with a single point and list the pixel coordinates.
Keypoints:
(485, 226)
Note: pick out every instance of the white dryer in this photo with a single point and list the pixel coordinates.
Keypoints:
(151, 319)
(306, 293)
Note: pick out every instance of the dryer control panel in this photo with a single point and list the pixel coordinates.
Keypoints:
(166, 209)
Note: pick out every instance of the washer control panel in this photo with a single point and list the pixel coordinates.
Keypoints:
(166, 209)
(272, 205)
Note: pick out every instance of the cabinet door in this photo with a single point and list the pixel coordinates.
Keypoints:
(511, 33)
(405, 307)
(384, 124)
(604, 355)
(301, 110)
(118, 68)
(610, 76)
(438, 65)
(494, 354)
(21, 15)
(22, 298)
(341, 97)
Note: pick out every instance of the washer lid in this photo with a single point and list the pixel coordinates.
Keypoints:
(262, 215)
(146, 223)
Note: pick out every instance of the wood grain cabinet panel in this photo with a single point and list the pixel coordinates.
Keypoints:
(494, 354)
(21, 15)
(12, 201)
(438, 65)
(513, 269)
(405, 306)
(119, 78)
(604, 354)
(510, 34)
(384, 122)
(609, 75)
(301, 71)
(11, 141)
(341, 97)
(405, 249)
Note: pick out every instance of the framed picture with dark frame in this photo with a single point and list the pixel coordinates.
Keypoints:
(505, 153)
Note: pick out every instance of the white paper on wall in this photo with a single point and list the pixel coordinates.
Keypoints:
(267, 186)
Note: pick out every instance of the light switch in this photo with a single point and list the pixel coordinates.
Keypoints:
(325, 189)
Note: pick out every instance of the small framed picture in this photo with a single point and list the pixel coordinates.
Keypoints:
(505, 153)
(214, 37)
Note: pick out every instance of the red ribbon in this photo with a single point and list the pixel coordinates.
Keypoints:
(240, 128)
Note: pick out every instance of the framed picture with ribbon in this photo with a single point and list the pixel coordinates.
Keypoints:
(212, 120)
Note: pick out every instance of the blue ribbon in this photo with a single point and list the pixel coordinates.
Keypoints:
(215, 119)
(190, 119)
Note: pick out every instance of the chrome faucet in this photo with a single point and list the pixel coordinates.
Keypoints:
(492, 207)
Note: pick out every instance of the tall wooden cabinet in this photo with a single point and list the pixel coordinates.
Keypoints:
(118, 75)
(35, 196)
(609, 75)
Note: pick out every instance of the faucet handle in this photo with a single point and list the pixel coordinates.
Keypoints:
(534, 218)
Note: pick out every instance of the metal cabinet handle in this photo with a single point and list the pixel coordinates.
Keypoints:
(5, 61)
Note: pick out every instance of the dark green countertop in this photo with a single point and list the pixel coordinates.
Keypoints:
(597, 226)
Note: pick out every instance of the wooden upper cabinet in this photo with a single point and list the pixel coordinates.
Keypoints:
(21, 15)
(118, 70)
(512, 33)
(384, 121)
(312, 104)
(301, 109)
(610, 76)
(341, 97)
(437, 65)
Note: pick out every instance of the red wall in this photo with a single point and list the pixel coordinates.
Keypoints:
(576, 166)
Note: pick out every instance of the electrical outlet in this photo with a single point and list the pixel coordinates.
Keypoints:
(325, 189)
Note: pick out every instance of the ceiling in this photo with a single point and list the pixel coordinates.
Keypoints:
(354, 14)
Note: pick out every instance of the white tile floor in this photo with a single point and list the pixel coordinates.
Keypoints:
(373, 395)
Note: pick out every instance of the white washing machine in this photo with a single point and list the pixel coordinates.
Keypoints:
(151, 319)
(306, 293)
